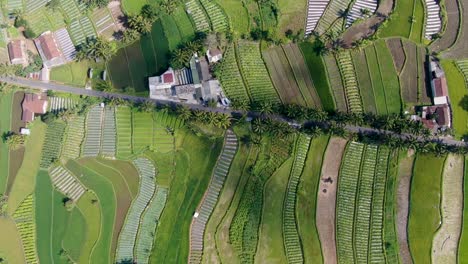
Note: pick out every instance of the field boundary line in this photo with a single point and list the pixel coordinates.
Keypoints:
(356, 202)
(295, 77)
(236, 53)
(381, 77)
(126, 183)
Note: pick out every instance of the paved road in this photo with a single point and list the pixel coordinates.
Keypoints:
(81, 91)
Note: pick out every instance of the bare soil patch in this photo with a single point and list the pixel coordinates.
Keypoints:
(396, 48)
(460, 48)
(424, 79)
(453, 23)
(404, 183)
(326, 198)
(409, 75)
(445, 243)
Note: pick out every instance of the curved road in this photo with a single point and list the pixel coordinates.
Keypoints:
(80, 91)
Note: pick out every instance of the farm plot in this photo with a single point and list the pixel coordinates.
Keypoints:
(52, 144)
(203, 213)
(57, 104)
(424, 94)
(195, 10)
(44, 19)
(365, 82)
(148, 226)
(400, 25)
(408, 81)
(303, 78)
(315, 11)
(142, 131)
(376, 78)
(123, 117)
(463, 67)
(345, 64)
(283, 77)
(219, 21)
(127, 237)
(462, 252)
(398, 53)
(70, 9)
(81, 29)
(66, 44)
(74, 137)
(359, 10)
(230, 77)
(109, 133)
(336, 83)
(445, 243)
(15, 5)
(255, 73)
(92, 143)
(433, 22)
(291, 238)
(103, 22)
(66, 183)
(164, 124)
(24, 219)
(330, 19)
(184, 24)
(449, 36)
(34, 5)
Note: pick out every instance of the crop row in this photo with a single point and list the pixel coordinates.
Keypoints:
(348, 74)
(57, 104)
(218, 19)
(255, 73)
(123, 118)
(52, 144)
(329, 18)
(74, 137)
(463, 66)
(336, 83)
(198, 15)
(364, 202)
(230, 77)
(148, 226)
(142, 130)
(109, 133)
(291, 238)
(127, 237)
(346, 201)
(24, 218)
(92, 143)
(207, 206)
(66, 183)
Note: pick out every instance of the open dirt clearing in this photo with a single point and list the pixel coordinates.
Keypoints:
(445, 243)
(326, 198)
(404, 183)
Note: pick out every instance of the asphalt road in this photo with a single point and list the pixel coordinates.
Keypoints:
(81, 91)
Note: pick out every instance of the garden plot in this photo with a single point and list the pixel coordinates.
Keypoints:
(433, 21)
(330, 19)
(230, 77)
(336, 83)
(70, 8)
(350, 82)
(407, 78)
(127, 236)
(398, 53)
(103, 22)
(149, 224)
(81, 29)
(195, 10)
(65, 43)
(365, 83)
(74, 137)
(315, 11)
(463, 67)
(255, 73)
(34, 5)
(361, 9)
(66, 183)
(92, 143)
(203, 213)
(15, 5)
(291, 239)
(109, 133)
(445, 243)
(164, 125)
(44, 19)
(123, 117)
(52, 144)
(219, 21)
(24, 219)
(57, 104)
(142, 131)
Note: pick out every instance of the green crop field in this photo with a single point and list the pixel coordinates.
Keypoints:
(401, 22)
(377, 81)
(463, 244)
(74, 73)
(424, 215)
(75, 235)
(237, 14)
(133, 6)
(5, 120)
(364, 82)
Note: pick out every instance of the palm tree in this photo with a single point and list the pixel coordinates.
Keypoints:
(168, 6)
(184, 112)
(224, 121)
(146, 106)
(258, 126)
(242, 105)
(105, 86)
(150, 12)
(343, 13)
(266, 108)
(140, 24)
(130, 35)
(14, 141)
(96, 48)
(116, 101)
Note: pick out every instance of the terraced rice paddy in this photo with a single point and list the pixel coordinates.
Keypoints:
(123, 117)
(463, 66)
(92, 143)
(80, 29)
(109, 133)
(142, 128)
(230, 77)
(74, 137)
(315, 11)
(57, 104)
(66, 183)
(433, 22)
(218, 19)
(348, 74)
(128, 235)
(26, 225)
(52, 144)
(199, 16)
(336, 84)
(330, 19)
(358, 10)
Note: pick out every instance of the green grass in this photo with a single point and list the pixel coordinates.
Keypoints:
(237, 15)
(101, 253)
(183, 24)
(10, 242)
(417, 29)
(171, 31)
(25, 180)
(456, 82)
(191, 178)
(5, 120)
(92, 216)
(389, 77)
(74, 73)
(365, 82)
(128, 171)
(307, 200)
(133, 6)
(399, 25)
(463, 244)
(292, 16)
(165, 173)
(319, 75)
(377, 83)
(75, 234)
(424, 215)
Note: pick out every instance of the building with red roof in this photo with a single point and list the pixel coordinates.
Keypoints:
(49, 50)
(32, 105)
(17, 52)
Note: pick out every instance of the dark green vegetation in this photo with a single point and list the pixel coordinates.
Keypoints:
(406, 21)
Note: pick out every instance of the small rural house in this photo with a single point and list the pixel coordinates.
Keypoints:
(436, 117)
(214, 55)
(49, 50)
(33, 104)
(439, 90)
(17, 52)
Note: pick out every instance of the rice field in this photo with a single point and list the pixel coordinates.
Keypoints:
(93, 139)
(73, 138)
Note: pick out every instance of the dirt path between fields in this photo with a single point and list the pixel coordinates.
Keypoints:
(368, 27)
(445, 243)
(326, 199)
(404, 182)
